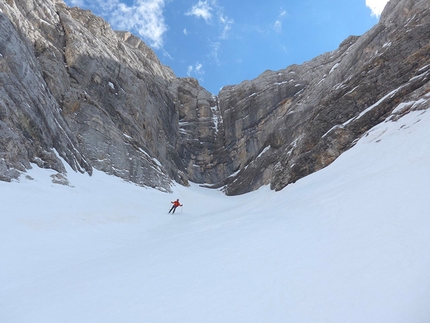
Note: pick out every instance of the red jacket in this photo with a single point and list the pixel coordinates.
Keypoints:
(176, 204)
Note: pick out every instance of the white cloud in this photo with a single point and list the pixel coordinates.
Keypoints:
(185, 31)
(376, 6)
(166, 54)
(198, 68)
(226, 23)
(207, 10)
(144, 17)
(196, 71)
(278, 26)
(214, 15)
(77, 3)
(201, 10)
(216, 48)
(278, 23)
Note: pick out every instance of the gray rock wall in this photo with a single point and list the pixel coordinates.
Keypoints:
(97, 97)
(75, 91)
(340, 96)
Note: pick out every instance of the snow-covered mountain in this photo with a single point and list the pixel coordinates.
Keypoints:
(349, 243)
(100, 99)
(335, 153)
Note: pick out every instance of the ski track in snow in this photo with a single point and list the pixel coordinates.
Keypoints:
(349, 243)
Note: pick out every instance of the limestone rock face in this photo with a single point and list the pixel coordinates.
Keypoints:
(74, 88)
(32, 128)
(74, 91)
(199, 126)
(314, 112)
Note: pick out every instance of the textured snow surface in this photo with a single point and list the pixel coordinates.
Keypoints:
(349, 243)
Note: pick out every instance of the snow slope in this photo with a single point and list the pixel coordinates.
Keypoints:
(349, 243)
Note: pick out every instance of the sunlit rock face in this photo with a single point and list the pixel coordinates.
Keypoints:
(75, 91)
(287, 124)
(74, 88)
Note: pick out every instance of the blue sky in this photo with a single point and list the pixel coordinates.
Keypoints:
(224, 42)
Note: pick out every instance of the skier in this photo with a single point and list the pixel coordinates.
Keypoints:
(175, 205)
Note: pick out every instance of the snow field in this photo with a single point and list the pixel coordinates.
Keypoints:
(346, 244)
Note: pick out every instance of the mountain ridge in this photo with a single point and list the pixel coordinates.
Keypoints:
(101, 99)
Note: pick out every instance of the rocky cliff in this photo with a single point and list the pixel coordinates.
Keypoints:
(73, 90)
(314, 112)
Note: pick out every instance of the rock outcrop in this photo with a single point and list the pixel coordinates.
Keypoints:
(73, 90)
(287, 124)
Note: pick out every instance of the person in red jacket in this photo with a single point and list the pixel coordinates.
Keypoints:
(175, 205)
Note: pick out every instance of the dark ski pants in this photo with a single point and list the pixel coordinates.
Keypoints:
(173, 208)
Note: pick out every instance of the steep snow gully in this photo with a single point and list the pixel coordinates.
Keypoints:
(348, 243)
